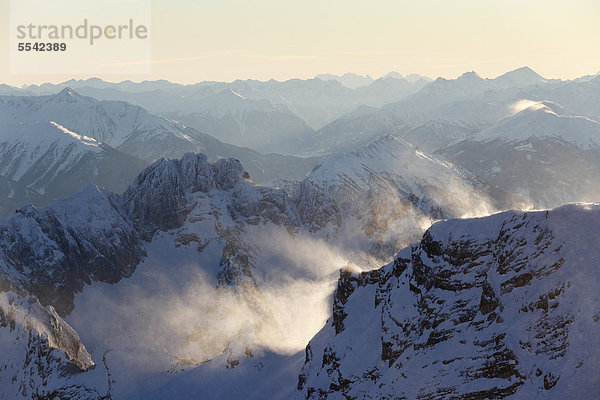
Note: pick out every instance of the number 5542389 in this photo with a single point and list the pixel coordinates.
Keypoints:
(41, 46)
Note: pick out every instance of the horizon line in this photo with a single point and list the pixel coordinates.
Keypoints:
(60, 81)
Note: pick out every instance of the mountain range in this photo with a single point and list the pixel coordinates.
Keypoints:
(180, 278)
(54, 145)
(338, 237)
(543, 153)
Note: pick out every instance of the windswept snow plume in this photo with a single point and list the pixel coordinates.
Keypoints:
(544, 154)
(390, 192)
(524, 104)
(165, 315)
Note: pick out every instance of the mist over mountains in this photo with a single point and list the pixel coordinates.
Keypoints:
(335, 237)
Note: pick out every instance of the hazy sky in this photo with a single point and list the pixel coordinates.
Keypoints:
(195, 40)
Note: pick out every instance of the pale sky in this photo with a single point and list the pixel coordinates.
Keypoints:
(225, 40)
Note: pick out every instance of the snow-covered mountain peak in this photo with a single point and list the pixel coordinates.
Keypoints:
(470, 76)
(394, 75)
(388, 157)
(543, 153)
(467, 86)
(520, 77)
(111, 122)
(26, 143)
(526, 106)
(160, 197)
(553, 108)
(396, 189)
(524, 72)
(194, 172)
(67, 95)
(543, 119)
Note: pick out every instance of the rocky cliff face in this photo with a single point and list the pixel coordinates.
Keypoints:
(500, 307)
(482, 308)
(95, 235)
(159, 199)
(52, 253)
(42, 355)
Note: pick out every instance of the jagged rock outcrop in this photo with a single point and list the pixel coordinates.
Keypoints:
(499, 307)
(42, 355)
(315, 208)
(159, 199)
(46, 324)
(52, 252)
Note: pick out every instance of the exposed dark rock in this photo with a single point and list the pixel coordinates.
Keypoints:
(489, 301)
(449, 317)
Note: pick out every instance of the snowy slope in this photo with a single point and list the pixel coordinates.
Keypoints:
(448, 110)
(457, 108)
(197, 282)
(41, 355)
(45, 160)
(128, 129)
(545, 120)
(113, 123)
(222, 274)
(454, 121)
(498, 307)
(580, 97)
(253, 123)
(543, 153)
(352, 131)
(388, 160)
(49, 160)
(53, 161)
(52, 252)
(520, 77)
(24, 144)
(393, 191)
(205, 244)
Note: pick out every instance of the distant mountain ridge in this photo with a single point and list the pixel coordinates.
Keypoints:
(54, 145)
(449, 110)
(314, 101)
(542, 153)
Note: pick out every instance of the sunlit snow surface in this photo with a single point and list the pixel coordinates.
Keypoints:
(515, 314)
